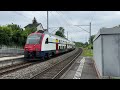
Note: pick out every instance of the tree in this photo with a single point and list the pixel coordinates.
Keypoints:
(86, 44)
(14, 27)
(91, 38)
(60, 32)
(90, 46)
(12, 34)
(78, 44)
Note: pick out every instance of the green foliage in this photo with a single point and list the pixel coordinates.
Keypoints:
(12, 34)
(60, 32)
(87, 52)
(85, 44)
(90, 46)
(79, 44)
(91, 38)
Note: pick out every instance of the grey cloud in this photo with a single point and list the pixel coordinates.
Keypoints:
(99, 19)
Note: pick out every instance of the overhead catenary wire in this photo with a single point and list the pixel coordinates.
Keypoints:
(59, 23)
(87, 25)
(54, 30)
(69, 24)
(70, 19)
(56, 18)
(43, 18)
(21, 15)
(94, 13)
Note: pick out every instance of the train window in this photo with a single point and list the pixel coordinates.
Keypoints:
(46, 42)
(33, 39)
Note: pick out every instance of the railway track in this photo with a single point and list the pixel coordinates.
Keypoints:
(57, 70)
(60, 67)
(15, 67)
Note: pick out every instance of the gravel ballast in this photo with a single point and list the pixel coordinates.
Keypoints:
(28, 72)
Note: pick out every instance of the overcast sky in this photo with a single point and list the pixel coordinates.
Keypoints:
(66, 19)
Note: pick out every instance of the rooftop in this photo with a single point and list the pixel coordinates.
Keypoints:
(107, 31)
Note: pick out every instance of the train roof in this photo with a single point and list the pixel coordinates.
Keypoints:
(50, 34)
(56, 36)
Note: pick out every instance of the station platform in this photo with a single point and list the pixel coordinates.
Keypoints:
(83, 68)
(11, 58)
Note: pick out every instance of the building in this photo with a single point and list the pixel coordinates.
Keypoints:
(106, 51)
(36, 25)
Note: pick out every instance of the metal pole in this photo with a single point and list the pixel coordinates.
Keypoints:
(47, 21)
(90, 33)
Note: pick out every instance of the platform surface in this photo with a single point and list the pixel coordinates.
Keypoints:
(83, 68)
(11, 58)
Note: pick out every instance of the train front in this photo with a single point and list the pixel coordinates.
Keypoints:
(33, 45)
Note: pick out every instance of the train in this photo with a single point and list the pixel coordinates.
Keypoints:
(45, 45)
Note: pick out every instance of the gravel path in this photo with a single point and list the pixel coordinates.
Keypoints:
(28, 72)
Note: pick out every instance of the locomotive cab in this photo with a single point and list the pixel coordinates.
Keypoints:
(33, 45)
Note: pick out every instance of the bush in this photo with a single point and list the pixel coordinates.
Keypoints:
(12, 34)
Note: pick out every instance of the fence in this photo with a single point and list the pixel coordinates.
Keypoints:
(6, 51)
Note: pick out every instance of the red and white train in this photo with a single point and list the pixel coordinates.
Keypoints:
(41, 45)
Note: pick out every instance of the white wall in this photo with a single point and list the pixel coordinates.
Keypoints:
(39, 27)
(97, 52)
(111, 55)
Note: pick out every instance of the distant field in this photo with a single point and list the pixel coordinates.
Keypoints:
(87, 52)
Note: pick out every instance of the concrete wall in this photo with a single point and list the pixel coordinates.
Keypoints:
(97, 52)
(106, 50)
(111, 55)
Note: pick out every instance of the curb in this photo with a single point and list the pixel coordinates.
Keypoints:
(98, 73)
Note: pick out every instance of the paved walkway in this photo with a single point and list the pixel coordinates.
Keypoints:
(10, 58)
(89, 71)
(83, 68)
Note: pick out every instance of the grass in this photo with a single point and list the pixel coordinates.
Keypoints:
(115, 77)
(87, 52)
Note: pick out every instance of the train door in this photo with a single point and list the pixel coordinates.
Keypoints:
(56, 46)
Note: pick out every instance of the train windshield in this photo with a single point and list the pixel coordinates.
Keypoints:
(33, 39)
